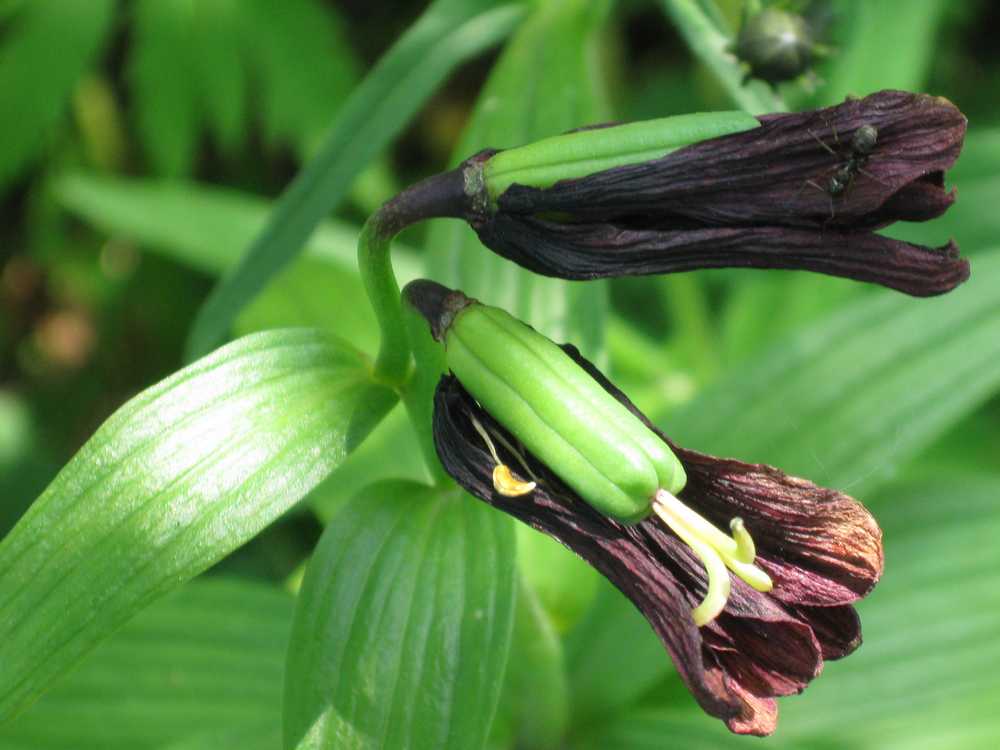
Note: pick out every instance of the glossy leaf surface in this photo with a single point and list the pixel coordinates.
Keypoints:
(180, 476)
(403, 623)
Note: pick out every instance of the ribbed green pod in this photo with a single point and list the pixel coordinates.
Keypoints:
(584, 152)
(560, 414)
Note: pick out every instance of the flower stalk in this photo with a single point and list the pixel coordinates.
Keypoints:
(441, 195)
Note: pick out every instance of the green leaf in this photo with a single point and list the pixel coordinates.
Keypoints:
(709, 43)
(306, 67)
(206, 228)
(201, 226)
(214, 44)
(860, 64)
(546, 82)
(534, 705)
(165, 84)
(403, 624)
(613, 657)
(563, 584)
(245, 738)
(390, 452)
(35, 83)
(763, 309)
(448, 33)
(200, 662)
(180, 476)
(921, 678)
(293, 50)
(850, 398)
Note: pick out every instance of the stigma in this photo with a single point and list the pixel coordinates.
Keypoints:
(717, 551)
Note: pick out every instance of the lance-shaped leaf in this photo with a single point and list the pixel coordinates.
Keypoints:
(403, 624)
(205, 661)
(180, 476)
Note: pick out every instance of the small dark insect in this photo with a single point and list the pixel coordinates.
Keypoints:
(861, 146)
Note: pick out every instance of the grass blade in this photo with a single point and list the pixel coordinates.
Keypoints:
(447, 34)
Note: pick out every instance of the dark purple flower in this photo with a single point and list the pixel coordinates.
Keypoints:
(821, 548)
(803, 191)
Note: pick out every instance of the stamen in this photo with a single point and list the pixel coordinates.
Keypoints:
(504, 480)
(507, 484)
(715, 550)
(699, 525)
(486, 439)
(719, 585)
(517, 454)
(746, 550)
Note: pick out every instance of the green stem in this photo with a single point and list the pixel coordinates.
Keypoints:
(393, 359)
(418, 394)
(438, 196)
(711, 45)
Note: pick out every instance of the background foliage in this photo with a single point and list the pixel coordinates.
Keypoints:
(176, 173)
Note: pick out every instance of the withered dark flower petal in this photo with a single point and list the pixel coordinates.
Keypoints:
(758, 198)
(823, 548)
(838, 629)
(819, 546)
(827, 548)
(602, 249)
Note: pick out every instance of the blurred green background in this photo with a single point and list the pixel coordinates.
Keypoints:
(142, 147)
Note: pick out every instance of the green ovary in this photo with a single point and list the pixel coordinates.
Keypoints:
(585, 152)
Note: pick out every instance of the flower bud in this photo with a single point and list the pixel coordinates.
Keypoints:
(776, 45)
(793, 191)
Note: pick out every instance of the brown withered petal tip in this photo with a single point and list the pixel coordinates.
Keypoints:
(822, 549)
(755, 199)
(437, 303)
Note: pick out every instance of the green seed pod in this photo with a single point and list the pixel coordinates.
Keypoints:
(584, 152)
(777, 45)
(560, 414)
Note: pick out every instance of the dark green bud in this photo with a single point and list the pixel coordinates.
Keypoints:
(777, 46)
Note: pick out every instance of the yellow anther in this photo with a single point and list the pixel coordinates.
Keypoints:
(504, 480)
(716, 552)
(507, 484)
